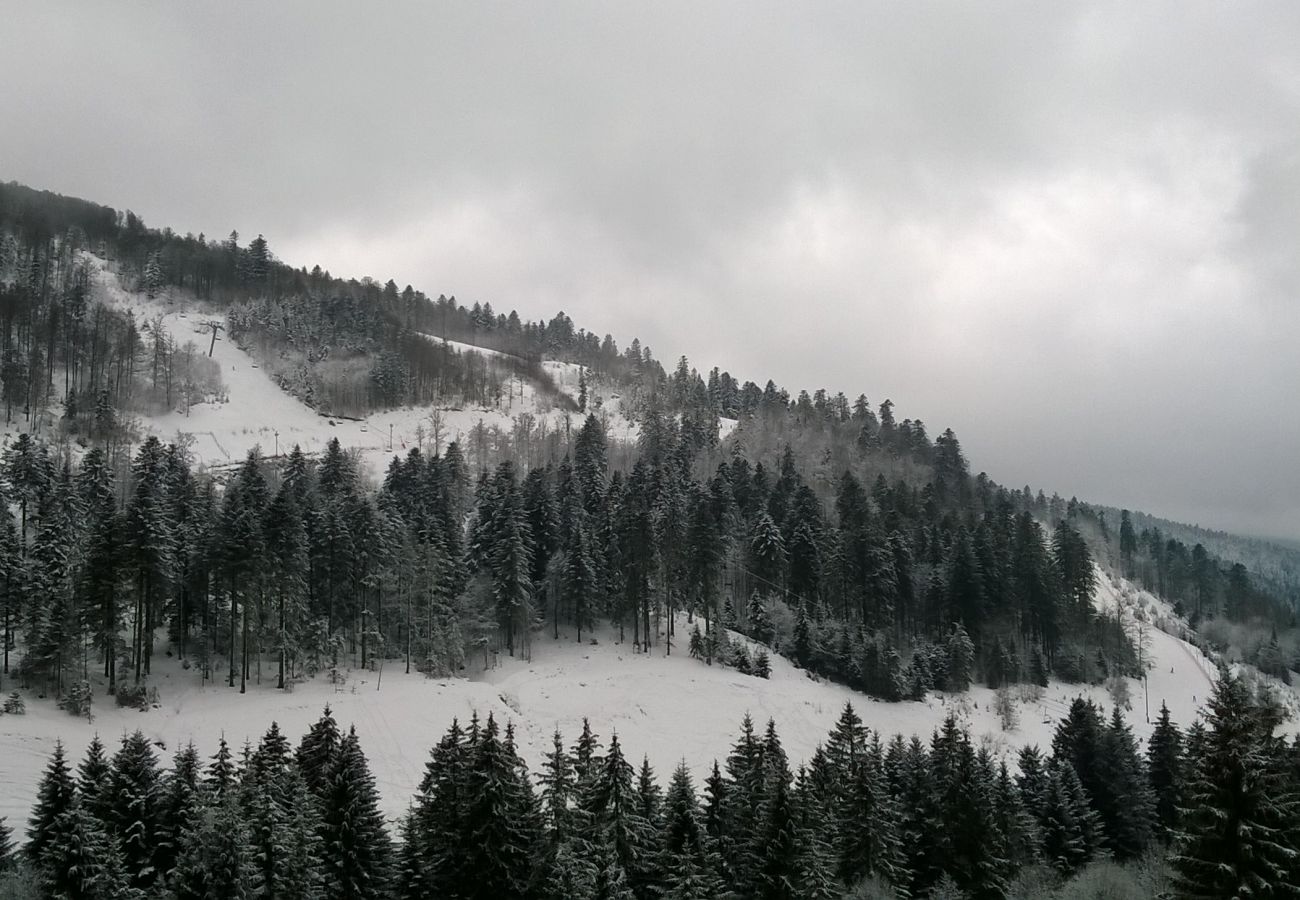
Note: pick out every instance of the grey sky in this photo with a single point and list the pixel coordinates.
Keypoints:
(1069, 233)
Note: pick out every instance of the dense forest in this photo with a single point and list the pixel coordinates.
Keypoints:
(1207, 812)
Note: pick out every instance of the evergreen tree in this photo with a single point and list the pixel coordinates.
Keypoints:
(220, 780)
(318, 753)
(355, 851)
(8, 851)
(1238, 836)
(1129, 813)
(760, 623)
(135, 808)
(1165, 768)
(54, 797)
(961, 660)
(93, 773)
(179, 803)
(1063, 844)
(81, 861)
(616, 822)
(500, 827)
(214, 861)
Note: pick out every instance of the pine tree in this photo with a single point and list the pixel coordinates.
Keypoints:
(214, 861)
(54, 797)
(82, 861)
(179, 804)
(318, 753)
(586, 756)
(867, 824)
(1238, 834)
(961, 660)
(803, 643)
(220, 780)
(135, 809)
(780, 862)
(93, 773)
(611, 803)
(501, 826)
(355, 846)
(1063, 842)
(1129, 814)
(760, 623)
(8, 851)
(1166, 772)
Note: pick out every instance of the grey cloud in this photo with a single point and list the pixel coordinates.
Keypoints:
(1068, 233)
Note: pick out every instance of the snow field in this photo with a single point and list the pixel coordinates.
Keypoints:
(667, 708)
(257, 412)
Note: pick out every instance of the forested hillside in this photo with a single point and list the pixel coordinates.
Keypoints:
(828, 530)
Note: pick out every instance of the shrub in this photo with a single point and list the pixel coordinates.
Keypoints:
(137, 696)
(78, 699)
(14, 705)
(1004, 704)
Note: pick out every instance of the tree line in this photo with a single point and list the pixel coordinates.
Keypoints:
(874, 815)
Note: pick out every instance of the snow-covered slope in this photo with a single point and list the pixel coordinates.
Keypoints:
(257, 412)
(667, 708)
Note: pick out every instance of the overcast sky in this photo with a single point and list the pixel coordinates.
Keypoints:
(1069, 233)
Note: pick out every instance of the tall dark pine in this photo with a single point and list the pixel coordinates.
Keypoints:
(499, 824)
(1238, 837)
(8, 850)
(616, 821)
(356, 853)
(135, 808)
(1166, 769)
(214, 860)
(82, 861)
(54, 797)
(318, 753)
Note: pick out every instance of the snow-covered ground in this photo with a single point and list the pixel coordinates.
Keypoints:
(257, 412)
(667, 708)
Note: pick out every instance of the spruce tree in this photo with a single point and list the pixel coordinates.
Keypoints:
(54, 797)
(317, 754)
(1238, 836)
(8, 851)
(220, 780)
(778, 844)
(616, 822)
(1129, 816)
(961, 660)
(500, 827)
(355, 852)
(135, 808)
(1063, 844)
(179, 804)
(1166, 772)
(82, 861)
(93, 773)
(438, 819)
(214, 861)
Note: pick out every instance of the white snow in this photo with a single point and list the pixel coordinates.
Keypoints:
(667, 708)
(257, 412)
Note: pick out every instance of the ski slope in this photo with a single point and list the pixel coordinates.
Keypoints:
(668, 708)
(258, 412)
